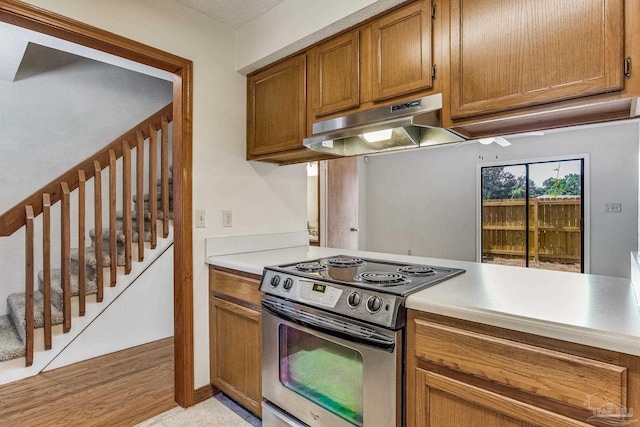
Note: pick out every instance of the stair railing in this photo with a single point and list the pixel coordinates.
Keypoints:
(24, 213)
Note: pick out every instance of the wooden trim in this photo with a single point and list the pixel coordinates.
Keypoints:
(33, 18)
(82, 267)
(13, 219)
(140, 193)
(153, 184)
(203, 393)
(183, 237)
(29, 282)
(65, 240)
(46, 268)
(97, 207)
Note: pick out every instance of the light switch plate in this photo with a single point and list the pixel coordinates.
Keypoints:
(201, 218)
(612, 207)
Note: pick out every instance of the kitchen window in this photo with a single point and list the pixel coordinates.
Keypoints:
(532, 214)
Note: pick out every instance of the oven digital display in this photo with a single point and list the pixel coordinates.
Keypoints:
(319, 288)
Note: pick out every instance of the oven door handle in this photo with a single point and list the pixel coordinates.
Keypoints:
(334, 327)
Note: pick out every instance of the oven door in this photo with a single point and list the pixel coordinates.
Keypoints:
(326, 370)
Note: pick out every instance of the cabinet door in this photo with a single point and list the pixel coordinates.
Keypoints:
(402, 51)
(276, 108)
(235, 352)
(444, 402)
(335, 77)
(507, 54)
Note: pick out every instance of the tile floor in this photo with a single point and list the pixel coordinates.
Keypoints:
(219, 411)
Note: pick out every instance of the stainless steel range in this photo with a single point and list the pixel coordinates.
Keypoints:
(332, 340)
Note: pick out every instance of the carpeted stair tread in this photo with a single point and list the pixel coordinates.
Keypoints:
(91, 262)
(56, 286)
(11, 347)
(17, 312)
(146, 197)
(106, 236)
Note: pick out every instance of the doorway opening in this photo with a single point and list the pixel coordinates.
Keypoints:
(532, 214)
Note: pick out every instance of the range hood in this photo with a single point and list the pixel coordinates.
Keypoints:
(410, 124)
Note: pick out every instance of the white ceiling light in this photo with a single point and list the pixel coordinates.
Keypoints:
(502, 141)
(380, 135)
(498, 140)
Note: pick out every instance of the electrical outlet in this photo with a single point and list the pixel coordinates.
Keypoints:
(227, 218)
(201, 218)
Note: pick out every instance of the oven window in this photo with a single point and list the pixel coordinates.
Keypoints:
(326, 373)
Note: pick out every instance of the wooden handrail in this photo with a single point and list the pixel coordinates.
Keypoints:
(60, 190)
(14, 218)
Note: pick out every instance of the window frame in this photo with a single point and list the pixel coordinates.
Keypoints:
(586, 201)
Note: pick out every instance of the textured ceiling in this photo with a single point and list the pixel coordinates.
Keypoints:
(234, 13)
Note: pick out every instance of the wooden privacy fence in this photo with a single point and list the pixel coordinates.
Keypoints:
(554, 229)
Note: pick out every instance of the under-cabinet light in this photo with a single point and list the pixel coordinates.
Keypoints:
(380, 135)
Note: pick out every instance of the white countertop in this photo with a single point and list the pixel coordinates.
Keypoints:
(586, 309)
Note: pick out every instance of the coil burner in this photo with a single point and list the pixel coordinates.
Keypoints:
(383, 278)
(417, 270)
(310, 267)
(344, 261)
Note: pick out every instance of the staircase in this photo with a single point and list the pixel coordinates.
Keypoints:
(85, 271)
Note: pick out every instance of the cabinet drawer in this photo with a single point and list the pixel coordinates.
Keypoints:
(235, 286)
(558, 376)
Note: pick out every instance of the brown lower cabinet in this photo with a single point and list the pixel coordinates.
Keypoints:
(234, 336)
(467, 374)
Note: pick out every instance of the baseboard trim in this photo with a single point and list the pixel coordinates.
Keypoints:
(203, 393)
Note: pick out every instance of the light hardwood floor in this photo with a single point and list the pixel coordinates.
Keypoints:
(120, 389)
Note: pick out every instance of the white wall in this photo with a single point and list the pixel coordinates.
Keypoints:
(424, 200)
(61, 109)
(139, 315)
(264, 198)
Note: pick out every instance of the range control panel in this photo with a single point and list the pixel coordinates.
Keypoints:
(363, 304)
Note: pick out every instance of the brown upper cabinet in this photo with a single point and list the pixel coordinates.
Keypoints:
(276, 108)
(334, 74)
(402, 51)
(384, 60)
(511, 54)
(502, 67)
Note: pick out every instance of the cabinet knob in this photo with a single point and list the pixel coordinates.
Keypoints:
(354, 229)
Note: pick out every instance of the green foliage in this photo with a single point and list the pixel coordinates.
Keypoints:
(567, 186)
(500, 184)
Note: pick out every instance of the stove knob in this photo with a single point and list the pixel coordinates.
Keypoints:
(374, 304)
(288, 283)
(354, 299)
(275, 281)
